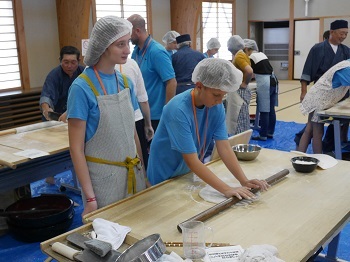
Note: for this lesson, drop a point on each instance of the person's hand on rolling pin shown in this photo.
(239, 192)
(255, 183)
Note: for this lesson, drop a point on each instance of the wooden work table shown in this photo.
(16, 171)
(337, 114)
(298, 215)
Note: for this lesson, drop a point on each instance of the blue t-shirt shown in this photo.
(176, 135)
(82, 102)
(341, 78)
(156, 70)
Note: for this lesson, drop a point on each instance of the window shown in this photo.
(122, 8)
(9, 64)
(217, 22)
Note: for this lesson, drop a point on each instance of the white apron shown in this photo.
(322, 95)
(114, 169)
(233, 106)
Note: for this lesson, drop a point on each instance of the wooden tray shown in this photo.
(46, 245)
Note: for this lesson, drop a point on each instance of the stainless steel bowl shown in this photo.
(246, 152)
(148, 249)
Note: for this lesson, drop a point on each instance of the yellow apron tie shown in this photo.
(129, 163)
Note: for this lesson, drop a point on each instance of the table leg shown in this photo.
(333, 247)
(337, 140)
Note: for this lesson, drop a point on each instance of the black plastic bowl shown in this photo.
(27, 234)
(62, 205)
(307, 167)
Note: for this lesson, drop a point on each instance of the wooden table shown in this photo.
(17, 171)
(338, 113)
(298, 215)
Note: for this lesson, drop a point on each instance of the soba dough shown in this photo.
(211, 195)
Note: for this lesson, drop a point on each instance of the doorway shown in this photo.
(306, 35)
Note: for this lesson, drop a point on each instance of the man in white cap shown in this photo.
(101, 120)
(213, 46)
(189, 121)
(169, 39)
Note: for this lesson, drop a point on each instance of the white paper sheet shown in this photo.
(224, 254)
(31, 153)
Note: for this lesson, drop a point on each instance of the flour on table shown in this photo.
(211, 195)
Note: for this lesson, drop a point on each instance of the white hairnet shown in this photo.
(170, 37)
(106, 30)
(235, 43)
(213, 43)
(217, 73)
(251, 44)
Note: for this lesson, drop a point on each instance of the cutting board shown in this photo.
(340, 109)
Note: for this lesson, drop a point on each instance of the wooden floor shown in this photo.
(288, 102)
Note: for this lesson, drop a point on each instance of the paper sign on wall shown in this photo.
(84, 46)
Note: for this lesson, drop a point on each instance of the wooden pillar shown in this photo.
(184, 17)
(291, 41)
(73, 21)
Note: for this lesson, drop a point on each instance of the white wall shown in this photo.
(241, 18)
(269, 10)
(42, 41)
(161, 22)
(319, 8)
(41, 31)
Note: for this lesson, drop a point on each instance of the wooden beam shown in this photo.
(21, 43)
(184, 17)
(73, 21)
(291, 41)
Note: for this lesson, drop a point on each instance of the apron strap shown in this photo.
(129, 163)
(93, 88)
(89, 82)
(125, 79)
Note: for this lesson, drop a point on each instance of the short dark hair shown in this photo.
(69, 50)
(326, 34)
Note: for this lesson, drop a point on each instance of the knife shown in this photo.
(88, 255)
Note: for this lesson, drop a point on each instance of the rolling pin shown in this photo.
(65, 251)
(32, 127)
(206, 214)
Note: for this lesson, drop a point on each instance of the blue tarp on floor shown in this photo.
(13, 250)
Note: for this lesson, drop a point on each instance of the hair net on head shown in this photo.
(170, 37)
(106, 30)
(217, 73)
(213, 43)
(251, 44)
(235, 43)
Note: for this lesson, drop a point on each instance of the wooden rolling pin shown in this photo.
(231, 201)
(32, 127)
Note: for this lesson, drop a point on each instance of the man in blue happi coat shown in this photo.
(321, 57)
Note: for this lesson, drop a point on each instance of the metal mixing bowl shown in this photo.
(304, 164)
(148, 249)
(246, 151)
